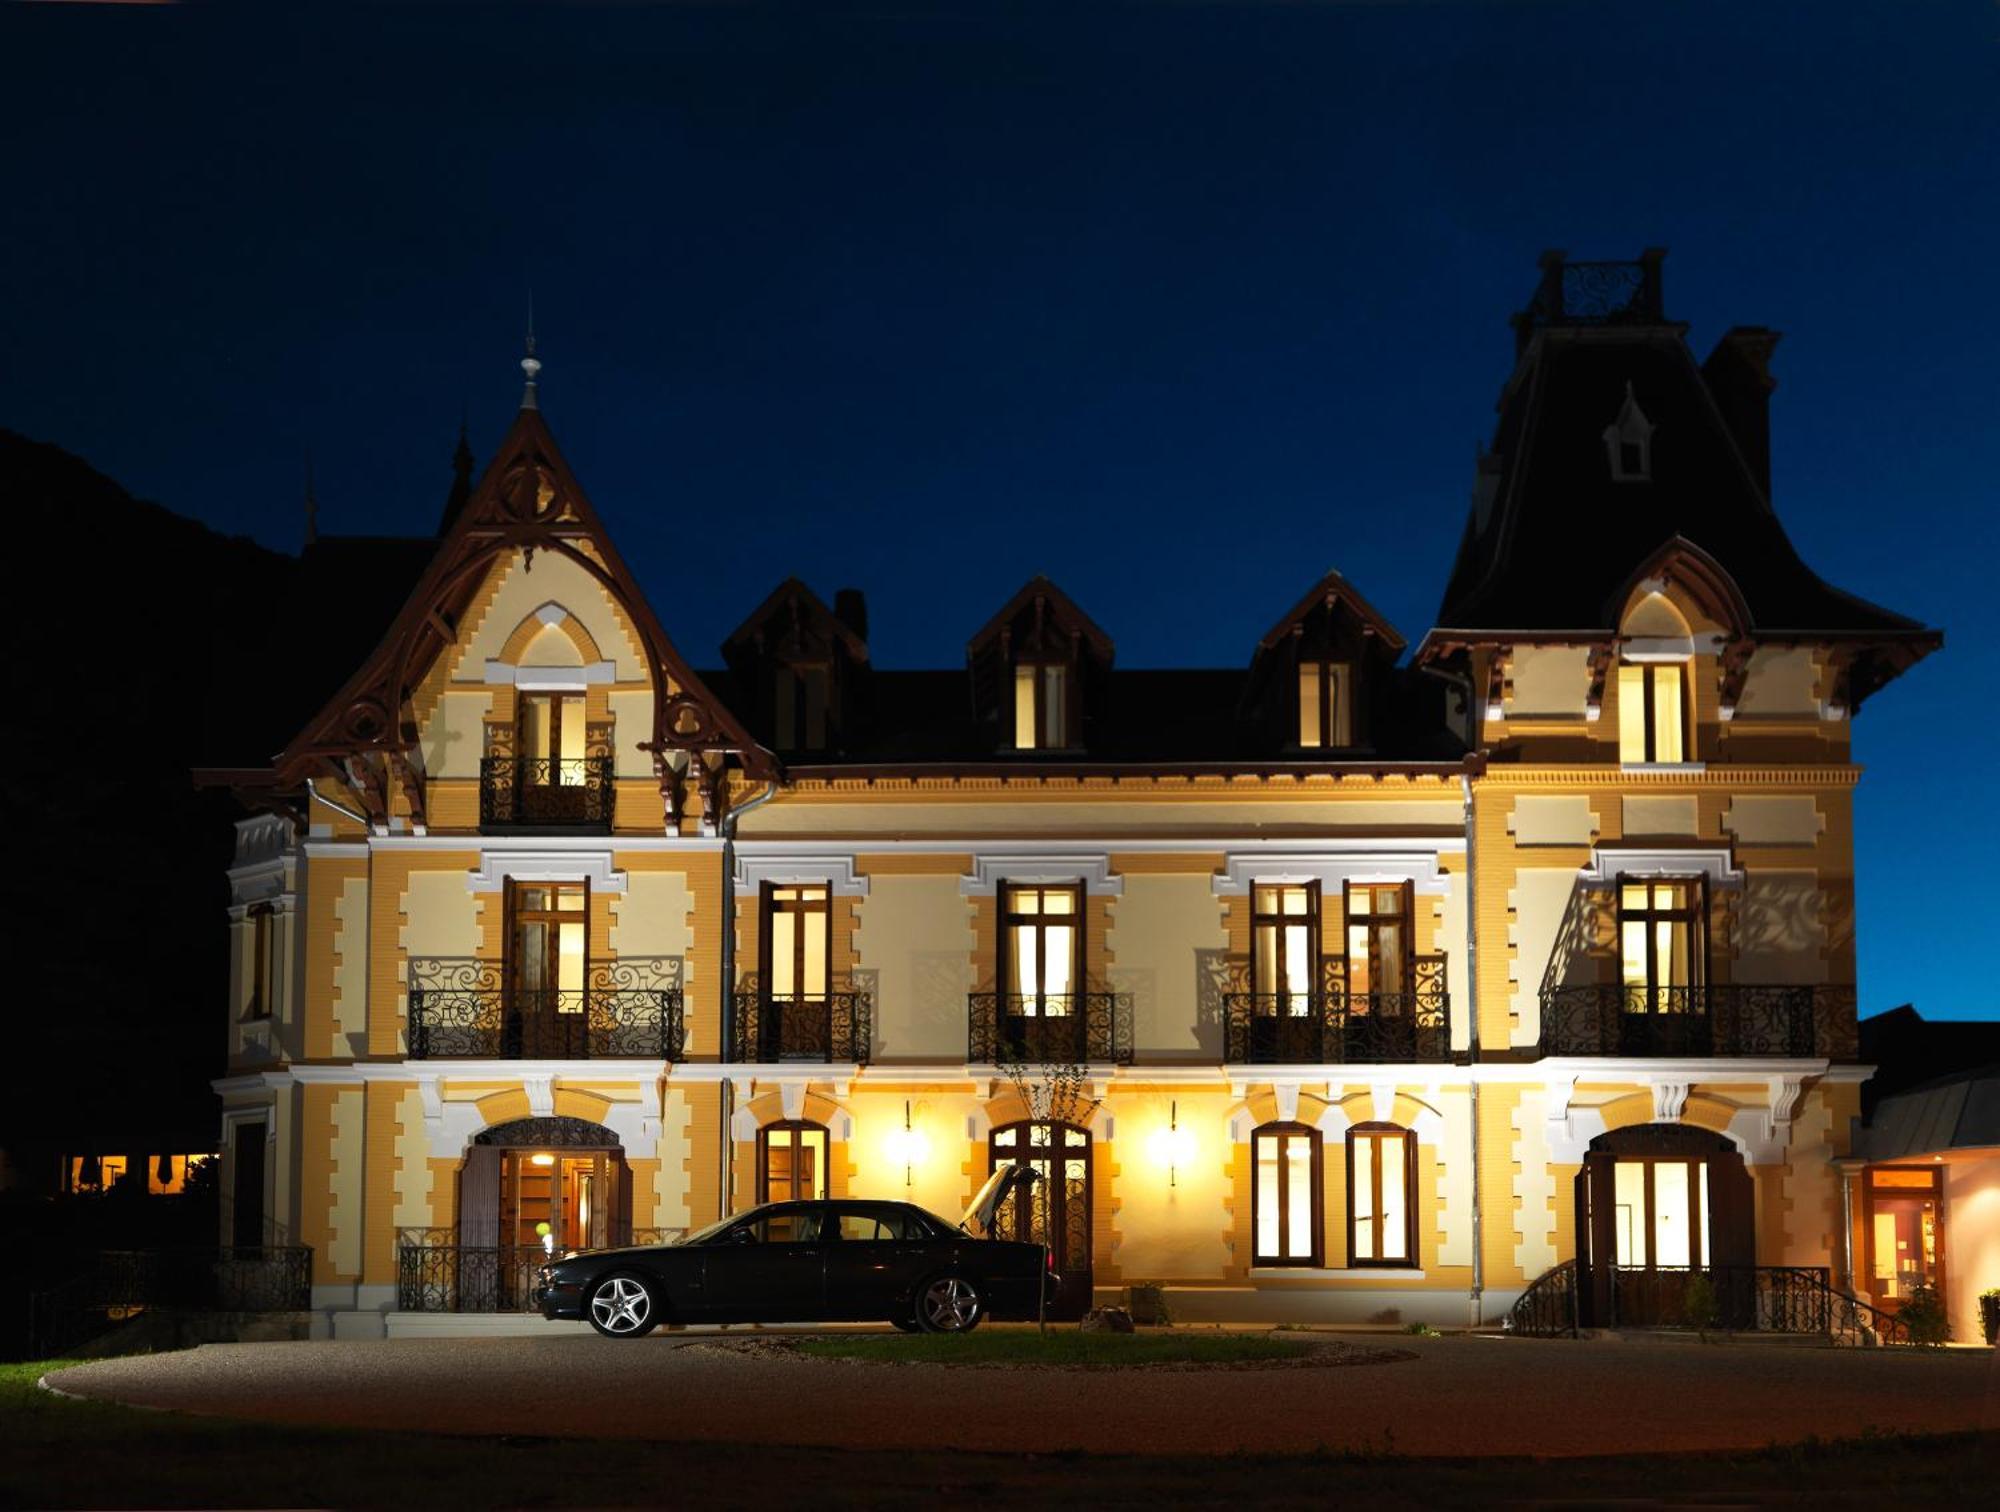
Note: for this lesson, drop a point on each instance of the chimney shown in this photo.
(850, 607)
(1738, 373)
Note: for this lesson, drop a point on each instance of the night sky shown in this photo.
(1180, 305)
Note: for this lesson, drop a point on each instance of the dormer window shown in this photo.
(1326, 715)
(1628, 442)
(1652, 713)
(1041, 706)
(799, 705)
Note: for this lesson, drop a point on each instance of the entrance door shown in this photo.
(1904, 1209)
(1657, 1206)
(1057, 1212)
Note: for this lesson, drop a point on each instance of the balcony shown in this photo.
(561, 795)
(1050, 1028)
(1732, 1019)
(1335, 1027)
(629, 1009)
(833, 1028)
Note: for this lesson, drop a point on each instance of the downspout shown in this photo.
(1474, 1302)
(727, 1102)
(337, 806)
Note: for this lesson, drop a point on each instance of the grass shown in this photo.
(1067, 1346)
(59, 1453)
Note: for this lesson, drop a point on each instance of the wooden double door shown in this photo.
(1056, 1209)
(1657, 1206)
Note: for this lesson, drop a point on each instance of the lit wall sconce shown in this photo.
(1173, 1147)
(909, 1146)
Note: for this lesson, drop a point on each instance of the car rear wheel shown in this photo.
(622, 1307)
(950, 1304)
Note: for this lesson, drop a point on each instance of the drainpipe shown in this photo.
(1474, 1301)
(338, 807)
(727, 1102)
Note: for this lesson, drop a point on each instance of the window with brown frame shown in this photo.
(1381, 1195)
(551, 740)
(798, 941)
(1042, 694)
(263, 976)
(1380, 949)
(1660, 1214)
(1903, 1220)
(791, 1162)
(1285, 1202)
(1284, 939)
(799, 707)
(1652, 713)
(1041, 957)
(1326, 717)
(1662, 942)
(548, 946)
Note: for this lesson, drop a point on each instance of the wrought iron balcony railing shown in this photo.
(545, 792)
(629, 1008)
(833, 1027)
(436, 1273)
(1049, 1028)
(1334, 1027)
(1610, 1018)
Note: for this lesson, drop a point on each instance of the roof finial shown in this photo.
(312, 504)
(529, 364)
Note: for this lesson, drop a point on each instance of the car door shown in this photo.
(878, 1254)
(771, 1267)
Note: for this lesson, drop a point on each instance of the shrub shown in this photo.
(1699, 1308)
(1923, 1317)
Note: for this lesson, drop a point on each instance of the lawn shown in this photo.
(1066, 1346)
(60, 1453)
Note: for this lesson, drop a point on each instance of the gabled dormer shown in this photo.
(799, 667)
(1039, 671)
(1317, 676)
(1628, 442)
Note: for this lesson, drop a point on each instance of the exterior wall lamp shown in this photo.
(909, 1146)
(1172, 1147)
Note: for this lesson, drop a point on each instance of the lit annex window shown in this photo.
(1628, 442)
(1381, 1160)
(1287, 1163)
(1041, 706)
(1284, 961)
(549, 937)
(1652, 713)
(1325, 714)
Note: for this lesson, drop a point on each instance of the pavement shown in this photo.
(1457, 1396)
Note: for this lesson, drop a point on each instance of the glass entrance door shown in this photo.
(1057, 1212)
(1660, 1237)
(1905, 1211)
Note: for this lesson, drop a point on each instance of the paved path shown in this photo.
(1459, 1396)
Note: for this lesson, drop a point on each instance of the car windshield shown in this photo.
(702, 1235)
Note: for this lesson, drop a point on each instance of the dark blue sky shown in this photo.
(1180, 305)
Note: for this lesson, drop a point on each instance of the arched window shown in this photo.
(1381, 1195)
(1285, 1207)
(791, 1162)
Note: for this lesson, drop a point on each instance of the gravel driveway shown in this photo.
(1458, 1396)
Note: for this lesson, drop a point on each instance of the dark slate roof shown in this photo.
(1563, 538)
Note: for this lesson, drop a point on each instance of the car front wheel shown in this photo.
(950, 1305)
(622, 1307)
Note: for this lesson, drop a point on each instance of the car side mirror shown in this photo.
(742, 1236)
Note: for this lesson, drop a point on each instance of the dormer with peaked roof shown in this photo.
(1040, 671)
(1320, 674)
(800, 668)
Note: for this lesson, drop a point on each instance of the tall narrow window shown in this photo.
(1041, 706)
(1904, 1204)
(1284, 959)
(1660, 1214)
(1661, 944)
(547, 963)
(1378, 946)
(1326, 717)
(263, 975)
(1043, 932)
(799, 706)
(1286, 1199)
(1652, 713)
(798, 941)
(791, 1164)
(1381, 1210)
(551, 740)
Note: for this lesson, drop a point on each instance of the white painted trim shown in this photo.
(836, 872)
(480, 844)
(551, 679)
(1358, 1273)
(1609, 863)
(1078, 845)
(1331, 864)
(1044, 865)
(592, 866)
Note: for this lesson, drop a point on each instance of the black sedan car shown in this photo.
(795, 1262)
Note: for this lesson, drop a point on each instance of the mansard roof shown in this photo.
(1552, 537)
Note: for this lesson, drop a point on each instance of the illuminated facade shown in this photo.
(1341, 984)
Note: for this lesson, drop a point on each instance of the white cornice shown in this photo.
(1609, 863)
(831, 868)
(497, 867)
(1045, 864)
(1332, 864)
(551, 679)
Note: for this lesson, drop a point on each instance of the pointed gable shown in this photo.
(798, 667)
(1319, 672)
(528, 503)
(1040, 670)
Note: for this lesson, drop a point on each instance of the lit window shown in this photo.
(1286, 1200)
(1652, 713)
(1284, 960)
(1660, 1214)
(791, 1165)
(798, 939)
(1041, 706)
(1044, 948)
(1381, 1218)
(548, 936)
(551, 734)
(1325, 712)
(1660, 944)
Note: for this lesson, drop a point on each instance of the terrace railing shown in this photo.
(1049, 1028)
(629, 1009)
(545, 792)
(1730, 1019)
(1336, 1027)
(829, 1028)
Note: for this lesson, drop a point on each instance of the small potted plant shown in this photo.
(1989, 1313)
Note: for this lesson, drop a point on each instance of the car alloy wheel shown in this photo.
(950, 1305)
(622, 1308)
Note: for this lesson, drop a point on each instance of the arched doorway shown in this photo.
(536, 1187)
(1058, 1211)
(1658, 1205)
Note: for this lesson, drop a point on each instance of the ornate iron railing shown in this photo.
(1050, 1028)
(1609, 1018)
(1337, 1027)
(435, 1273)
(1547, 1309)
(1857, 1322)
(629, 1008)
(105, 1288)
(1597, 293)
(833, 1027)
(545, 792)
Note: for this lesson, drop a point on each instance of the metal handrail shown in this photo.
(1048, 1028)
(1726, 1019)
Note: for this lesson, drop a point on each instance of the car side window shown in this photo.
(798, 1226)
(864, 1227)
